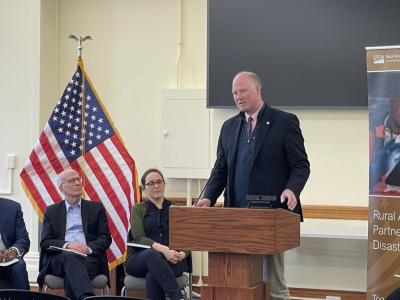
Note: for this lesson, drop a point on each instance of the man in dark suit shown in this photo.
(14, 243)
(260, 152)
(79, 225)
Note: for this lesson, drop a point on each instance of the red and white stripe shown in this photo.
(108, 173)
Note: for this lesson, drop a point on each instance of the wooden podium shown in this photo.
(236, 239)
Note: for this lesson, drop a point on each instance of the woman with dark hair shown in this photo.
(149, 226)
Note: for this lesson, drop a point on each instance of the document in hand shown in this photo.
(54, 248)
(138, 247)
(9, 263)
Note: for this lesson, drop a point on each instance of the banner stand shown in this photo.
(383, 75)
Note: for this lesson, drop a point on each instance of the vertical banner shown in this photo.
(383, 74)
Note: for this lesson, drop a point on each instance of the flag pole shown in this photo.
(79, 40)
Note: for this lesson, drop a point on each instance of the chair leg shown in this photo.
(190, 286)
(105, 291)
(187, 290)
(123, 291)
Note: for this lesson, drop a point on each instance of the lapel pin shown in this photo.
(267, 123)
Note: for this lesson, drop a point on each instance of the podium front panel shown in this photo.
(233, 230)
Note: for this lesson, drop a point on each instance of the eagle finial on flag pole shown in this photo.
(81, 135)
(80, 40)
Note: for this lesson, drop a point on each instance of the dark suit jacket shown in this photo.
(395, 295)
(95, 227)
(279, 161)
(12, 226)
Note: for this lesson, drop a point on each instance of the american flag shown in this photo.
(95, 150)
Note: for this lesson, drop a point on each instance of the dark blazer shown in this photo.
(395, 295)
(279, 161)
(12, 226)
(95, 227)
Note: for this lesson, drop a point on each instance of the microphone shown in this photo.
(219, 157)
(217, 161)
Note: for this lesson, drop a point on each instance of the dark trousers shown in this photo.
(77, 272)
(16, 275)
(395, 295)
(160, 274)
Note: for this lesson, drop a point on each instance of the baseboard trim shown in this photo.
(335, 212)
(320, 293)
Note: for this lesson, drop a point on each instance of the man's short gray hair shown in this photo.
(252, 76)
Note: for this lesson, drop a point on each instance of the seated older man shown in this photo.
(14, 243)
(79, 225)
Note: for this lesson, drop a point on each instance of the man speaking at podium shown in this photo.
(260, 152)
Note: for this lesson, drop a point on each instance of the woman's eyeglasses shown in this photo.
(159, 182)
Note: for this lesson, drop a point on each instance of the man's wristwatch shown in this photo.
(17, 252)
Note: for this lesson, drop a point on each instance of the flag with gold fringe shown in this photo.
(81, 135)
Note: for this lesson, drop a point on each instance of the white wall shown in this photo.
(133, 57)
(19, 100)
(49, 57)
(332, 264)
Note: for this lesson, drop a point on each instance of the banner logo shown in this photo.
(378, 59)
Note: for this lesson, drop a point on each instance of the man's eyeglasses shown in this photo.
(72, 180)
(159, 182)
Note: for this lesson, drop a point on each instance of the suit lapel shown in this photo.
(235, 139)
(264, 124)
(63, 218)
(85, 216)
(3, 220)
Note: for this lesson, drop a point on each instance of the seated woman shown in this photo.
(149, 226)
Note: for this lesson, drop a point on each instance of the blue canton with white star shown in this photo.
(66, 119)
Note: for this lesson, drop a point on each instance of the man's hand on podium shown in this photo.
(290, 197)
(203, 202)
